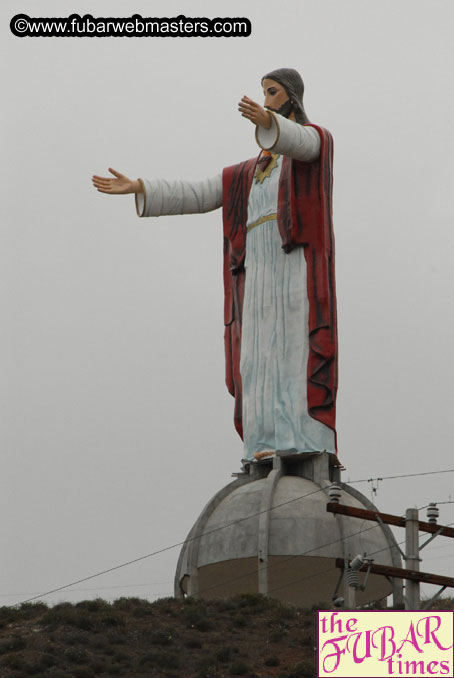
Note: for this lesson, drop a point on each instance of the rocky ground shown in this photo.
(244, 636)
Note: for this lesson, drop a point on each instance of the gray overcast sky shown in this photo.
(117, 426)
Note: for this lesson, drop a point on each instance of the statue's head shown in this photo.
(284, 90)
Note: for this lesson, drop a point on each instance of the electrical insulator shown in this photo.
(353, 571)
(353, 578)
(357, 563)
(432, 513)
(335, 493)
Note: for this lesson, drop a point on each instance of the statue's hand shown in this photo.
(254, 112)
(120, 185)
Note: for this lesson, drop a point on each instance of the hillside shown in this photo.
(244, 636)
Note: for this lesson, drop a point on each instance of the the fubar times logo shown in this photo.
(365, 644)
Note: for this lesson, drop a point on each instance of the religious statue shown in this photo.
(280, 300)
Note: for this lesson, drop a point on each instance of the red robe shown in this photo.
(304, 216)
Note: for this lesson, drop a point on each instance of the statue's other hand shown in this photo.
(120, 185)
(254, 112)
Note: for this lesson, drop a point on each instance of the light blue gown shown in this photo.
(275, 337)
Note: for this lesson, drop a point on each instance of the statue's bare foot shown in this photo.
(264, 455)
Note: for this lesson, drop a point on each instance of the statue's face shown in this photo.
(275, 94)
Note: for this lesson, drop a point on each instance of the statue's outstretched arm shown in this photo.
(121, 185)
(279, 134)
(286, 137)
(160, 197)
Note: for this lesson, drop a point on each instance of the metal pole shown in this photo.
(351, 579)
(412, 598)
(351, 598)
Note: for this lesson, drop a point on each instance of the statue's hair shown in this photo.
(293, 84)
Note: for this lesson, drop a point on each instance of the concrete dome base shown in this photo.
(269, 532)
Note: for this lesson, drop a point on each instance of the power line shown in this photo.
(98, 588)
(404, 475)
(254, 571)
(437, 548)
(438, 503)
(451, 555)
(166, 548)
(221, 527)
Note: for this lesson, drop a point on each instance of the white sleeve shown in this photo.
(287, 137)
(162, 197)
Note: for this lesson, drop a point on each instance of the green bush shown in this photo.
(211, 671)
(192, 613)
(161, 637)
(161, 660)
(190, 600)
(97, 667)
(99, 641)
(275, 636)
(282, 618)
(193, 643)
(13, 661)
(115, 637)
(303, 669)
(121, 656)
(8, 615)
(166, 605)
(75, 655)
(224, 655)
(204, 624)
(307, 641)
(32, 610)
(73, 638)
(82, 672)
(97, 605)
(226, 605)
(256, 601)
(321, 606)
(111, 619)
(441, 604)
(66, 614)
(133, 604)
(143, 611)
(12, 644)
(46, 660)
(240, 621)
(240, 668)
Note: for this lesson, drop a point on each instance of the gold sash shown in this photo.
(269, 217)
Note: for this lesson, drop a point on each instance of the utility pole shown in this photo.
(413, 577)
(412, 559)
(350, 589)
